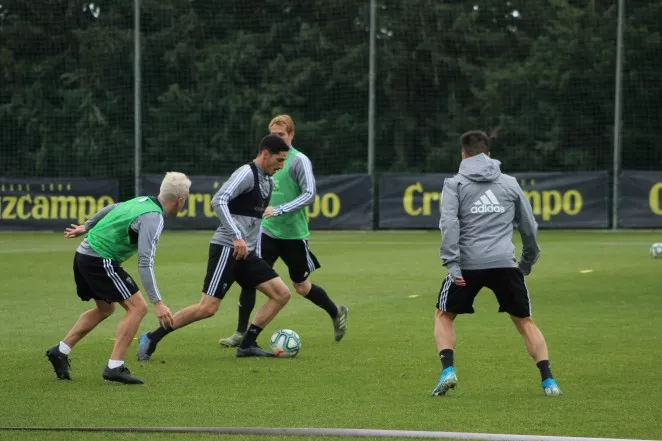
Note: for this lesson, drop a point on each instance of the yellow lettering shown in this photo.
(20, 207)
(63, 202)
(572, 202)
(313, 210)
(8, 209)
(427, 198)
(654, 199)
(330, 205)
(208, 209)
(551, 204)
(535, 201)
(190, 211)
(104, 201)
(198, 197)
(87, 206)
(40, 209)
(408, 199)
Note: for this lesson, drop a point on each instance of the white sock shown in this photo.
(112, 364)
(66, 350)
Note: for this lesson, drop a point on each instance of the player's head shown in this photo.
(174, 192)
(283, 126)
(474, 143)
(272, 154)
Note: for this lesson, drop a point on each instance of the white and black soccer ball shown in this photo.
(285, 343)
(656, 250)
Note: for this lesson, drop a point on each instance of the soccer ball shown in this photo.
(656, 250)
(285, 343)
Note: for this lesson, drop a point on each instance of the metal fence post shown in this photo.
(618, 110)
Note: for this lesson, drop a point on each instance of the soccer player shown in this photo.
(480, 206)
(285, 235)
(240, 204)
(113, 235)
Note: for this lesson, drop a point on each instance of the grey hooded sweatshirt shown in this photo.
(479, 209)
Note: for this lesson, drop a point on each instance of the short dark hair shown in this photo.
(274, 144)
(475, 142)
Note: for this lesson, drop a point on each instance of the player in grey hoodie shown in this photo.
(479, 208)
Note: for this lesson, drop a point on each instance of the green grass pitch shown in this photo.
(603, 329)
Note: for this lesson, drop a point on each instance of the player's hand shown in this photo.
(268, 212)
(74, 231)
(240, 249)
(525, 268)
(459, 281)
(164, 315)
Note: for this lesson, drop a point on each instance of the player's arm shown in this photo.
(149, 227)
(77, 230)
(528, 229)
(449, 224)
(240, 182)
(301, 170)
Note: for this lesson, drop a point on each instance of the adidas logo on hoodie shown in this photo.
(487, 203)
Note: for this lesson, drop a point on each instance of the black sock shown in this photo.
(156, 336)
(250, 337)
(446, 356)
(545, 369)
(246, 305)
(318, 296)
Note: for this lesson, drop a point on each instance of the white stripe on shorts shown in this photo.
(218, 272)
(443, 296)
(117, 280)
(528, 298)
(311, 264)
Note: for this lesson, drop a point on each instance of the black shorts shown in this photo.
(507, 284)
(294, 252)
(102, 279)
(223, 270)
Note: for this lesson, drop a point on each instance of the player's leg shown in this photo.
(255, 271)
(87, 322)
(513, 296)
(205, 308)
(89, 275)
(58, 355)
(219, 278)
(301, 263)
(136, 309)
(537, 348)
(444, 334)
(451, 301)
(268, 250)
(279, 295)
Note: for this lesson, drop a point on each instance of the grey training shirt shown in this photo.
(234, 226)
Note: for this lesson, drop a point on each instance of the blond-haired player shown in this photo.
(114, 234)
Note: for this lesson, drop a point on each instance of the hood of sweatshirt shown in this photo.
(480, 168)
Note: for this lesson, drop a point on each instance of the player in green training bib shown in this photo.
(114, 234)
(285, 235)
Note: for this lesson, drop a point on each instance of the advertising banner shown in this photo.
(52, 203)
(343, 202)
(640, 199)
(558, 200)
